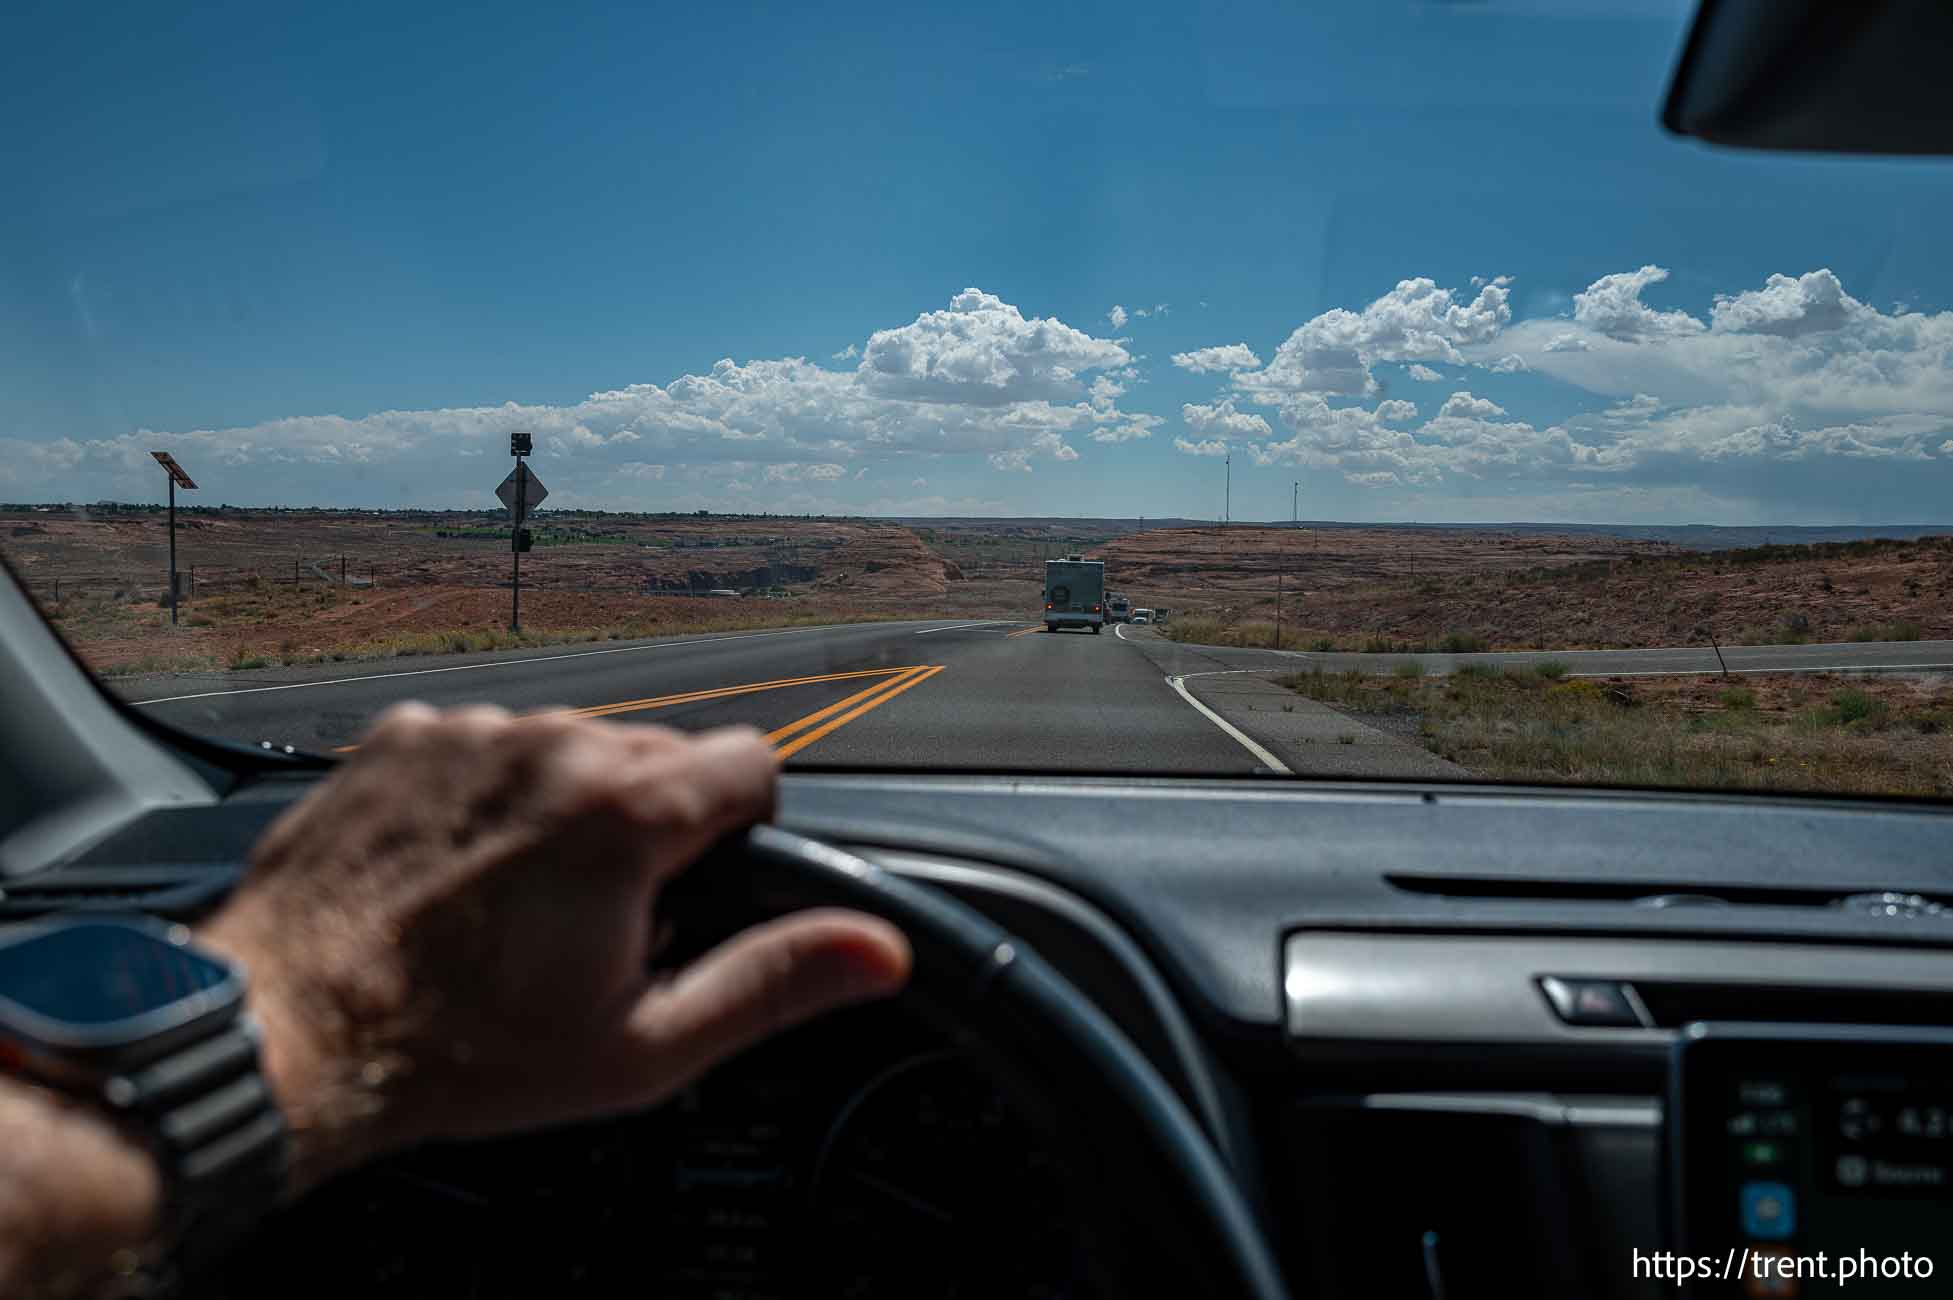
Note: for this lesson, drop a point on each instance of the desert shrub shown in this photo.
(1853, 705)
(1409, 669)
(1737, 697)
(1551, 669)
(1458, 643)
(1477, 671)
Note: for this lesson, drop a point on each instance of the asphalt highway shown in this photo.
(942, 694)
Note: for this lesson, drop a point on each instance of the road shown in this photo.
(943, 694)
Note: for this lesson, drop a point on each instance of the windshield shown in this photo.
(865, 375)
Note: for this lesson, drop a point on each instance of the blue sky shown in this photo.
(331, 256)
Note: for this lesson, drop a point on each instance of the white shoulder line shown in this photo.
(1266, 759)
(500, 663)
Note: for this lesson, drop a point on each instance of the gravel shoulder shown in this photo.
(1311, 738)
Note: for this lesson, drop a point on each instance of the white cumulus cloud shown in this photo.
(979, 378)
(1208, 447)
(1423, 374)
(1612, 306)
(1227, 356)
(982, 350)
(1416, 321)
(1787, 306)
(1223, 420)
(1466, 404)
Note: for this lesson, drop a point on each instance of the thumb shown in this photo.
(759, 982)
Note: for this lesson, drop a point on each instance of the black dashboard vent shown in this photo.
(1665, 894)
(175, 891)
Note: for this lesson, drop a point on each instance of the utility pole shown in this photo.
(177, 479)
(1294, 512)
(1227, 499)
(1278, 609)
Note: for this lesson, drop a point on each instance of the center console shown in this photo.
(1809, 1161)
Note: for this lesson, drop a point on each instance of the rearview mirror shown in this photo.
(1867, 76)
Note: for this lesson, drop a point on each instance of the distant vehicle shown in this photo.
(1159, 617)
(1142, 615)
(1074, 594)
(1117, 607)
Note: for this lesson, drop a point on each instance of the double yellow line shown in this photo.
(789, 740)
(824, 721)
(1035, 627)
(717, 693)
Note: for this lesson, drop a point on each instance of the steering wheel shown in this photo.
(1034, 1030)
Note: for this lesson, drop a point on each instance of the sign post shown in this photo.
(520, 492)
(177, 479)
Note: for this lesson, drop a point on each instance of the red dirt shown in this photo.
(1537, 590)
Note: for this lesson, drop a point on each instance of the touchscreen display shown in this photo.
(1814, 1167)
(92, 975)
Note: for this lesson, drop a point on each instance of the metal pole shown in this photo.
(1294, 511)
(1227, 500)
(1278, 609)
(342, 570)
(521, 504)
(172, 550)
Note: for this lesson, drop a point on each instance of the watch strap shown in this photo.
(218, 1135)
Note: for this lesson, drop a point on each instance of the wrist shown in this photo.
(81, 1201)
(335, 1101)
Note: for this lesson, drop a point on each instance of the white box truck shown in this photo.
(1074, 594)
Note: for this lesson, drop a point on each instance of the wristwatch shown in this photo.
(130, 1014)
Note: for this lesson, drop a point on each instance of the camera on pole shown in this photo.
(519, 444)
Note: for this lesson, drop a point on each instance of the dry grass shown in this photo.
(277, 627)
(409, 645)
(1203, 629)
(1811, 733)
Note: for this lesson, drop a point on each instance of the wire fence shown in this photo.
(206, 581)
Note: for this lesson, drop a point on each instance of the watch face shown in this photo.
(96, 973)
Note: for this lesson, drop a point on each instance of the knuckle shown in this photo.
(471, 721)
(406, 721)
(667, 799)
(548, 732)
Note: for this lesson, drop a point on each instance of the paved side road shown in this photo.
(1842, 656)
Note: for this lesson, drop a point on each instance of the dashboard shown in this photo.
(1435, 1032)
(864, 1160)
